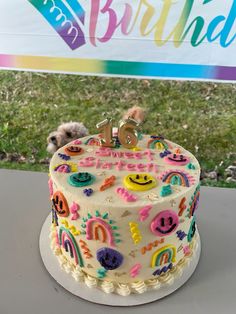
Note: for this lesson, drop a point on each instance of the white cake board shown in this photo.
(97, 296)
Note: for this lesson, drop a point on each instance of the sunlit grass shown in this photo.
(199, 116)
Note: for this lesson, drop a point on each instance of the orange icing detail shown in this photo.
(177, 151)
(150, 246)
(98, 232)
(107, 183)
(182, 206)
(164, 259)
(86, 250)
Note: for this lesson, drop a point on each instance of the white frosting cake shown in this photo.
(124, 219)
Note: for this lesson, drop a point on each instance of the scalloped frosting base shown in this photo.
(122, 289)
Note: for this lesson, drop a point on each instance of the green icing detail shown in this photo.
(81, 179)
(101, 272)
(104, 216)
(90, 216)
(140, 136)
(97, 214)
(175, 180)
(191, 166)
(114, 227)
(166, 190)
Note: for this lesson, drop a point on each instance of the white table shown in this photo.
(26, 287)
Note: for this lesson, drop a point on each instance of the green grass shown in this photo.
(199, 116)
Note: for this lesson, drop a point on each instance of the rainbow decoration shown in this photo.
(92, 141)
(66, 168)
(158, 142)
(176, 177)
(119, 68)
(68, 242)
(100, 228)
(164, 255)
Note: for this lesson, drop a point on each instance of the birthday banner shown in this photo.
(162, 39)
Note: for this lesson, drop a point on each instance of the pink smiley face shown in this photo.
(165, 223)
(177, 159)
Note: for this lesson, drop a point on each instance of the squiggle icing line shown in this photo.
(144, 212)
(85, 249)
(150, 246)
(50, 186)
(73, 230)
(60, 16)
(135, 232)
(74, 211)
(108, 183)
(158, 272)
(128, 197)
(134, 271)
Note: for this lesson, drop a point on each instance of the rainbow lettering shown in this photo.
(68, 19)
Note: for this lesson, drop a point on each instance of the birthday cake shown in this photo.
(123, 220)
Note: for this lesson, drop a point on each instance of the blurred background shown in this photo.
(199, 116)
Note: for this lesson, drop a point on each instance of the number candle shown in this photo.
(106, 128)
(127, 133)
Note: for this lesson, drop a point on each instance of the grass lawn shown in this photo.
(199, 116)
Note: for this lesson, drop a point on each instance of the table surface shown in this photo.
(26, 287)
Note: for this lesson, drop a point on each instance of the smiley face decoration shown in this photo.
(60, 204)
(177, 159)
(109, 259)
(81, 179)
(139, 182)
(165, 223)
(74, 150)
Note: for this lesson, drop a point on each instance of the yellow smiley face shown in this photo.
(139, 182)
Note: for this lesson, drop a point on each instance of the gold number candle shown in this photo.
(105, 127)
(127, 133)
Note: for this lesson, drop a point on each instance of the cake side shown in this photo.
(130, 214)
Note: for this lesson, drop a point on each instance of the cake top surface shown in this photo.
(155, 171)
